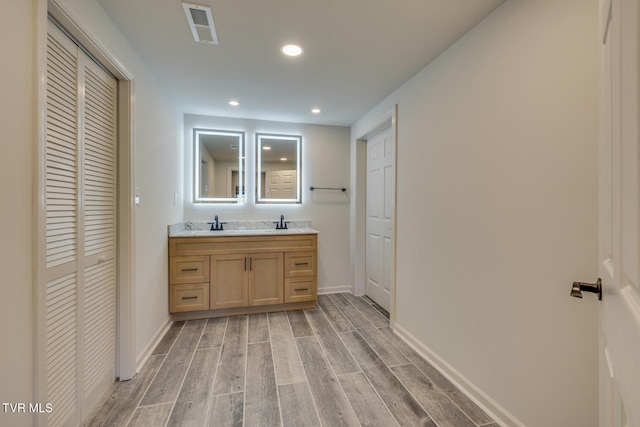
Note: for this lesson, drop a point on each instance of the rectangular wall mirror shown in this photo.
(218, 167)
(278, 172)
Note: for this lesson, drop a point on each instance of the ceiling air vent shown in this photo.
(201, 23)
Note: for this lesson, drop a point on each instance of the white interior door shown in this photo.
(281, 184)
(619, 249)
(80, 317)
(380, 210)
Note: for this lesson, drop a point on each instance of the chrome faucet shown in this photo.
(282, 225)
(216, 226)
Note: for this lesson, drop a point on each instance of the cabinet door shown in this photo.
(228, 281)
(266, 278)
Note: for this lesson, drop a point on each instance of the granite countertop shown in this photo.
(239, 228)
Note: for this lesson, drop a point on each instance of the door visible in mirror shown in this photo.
(218, 166)
(278, 168)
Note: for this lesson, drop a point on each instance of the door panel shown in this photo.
(619, 214)
(266, 278)
(380, 211)
(228, 281)
(281, 184)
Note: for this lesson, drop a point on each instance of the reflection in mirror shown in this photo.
(218, 166)
(278, 168)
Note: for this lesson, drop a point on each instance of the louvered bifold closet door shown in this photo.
(80, 230)
(99, 232)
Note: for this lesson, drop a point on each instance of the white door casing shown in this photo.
(380, 207)
(619, 214)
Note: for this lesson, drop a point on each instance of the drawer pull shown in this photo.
(189, 269)
(301, 289)
(301, 263)
(195, 297)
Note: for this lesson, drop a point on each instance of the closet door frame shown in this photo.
(126, 357)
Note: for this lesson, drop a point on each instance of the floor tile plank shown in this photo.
(169, 338)
(469, 407)
(213, 333)
(335, 316)
(168, 380)
(125, 398)
(258, 328)
(381, 345)
(231, 365)
(375, 305)
(297, 406)
(331, 402)
(340, 300)
(191, 406)
(338, 355)
(261, 394)
(155, 415)
(227, 410)
(373, 315)
(366, 403)
(285, 353)
(401, 404)
(350, 298)
(431, 398)
(299, 324)
(357, 318)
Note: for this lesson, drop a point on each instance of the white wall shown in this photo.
(497, 208)
(17, 114)
(325, 163)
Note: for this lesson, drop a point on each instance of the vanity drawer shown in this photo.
(188, 297)
(300, 264)
(188, 269)
(298, 289)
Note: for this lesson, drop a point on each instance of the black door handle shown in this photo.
(578, 287)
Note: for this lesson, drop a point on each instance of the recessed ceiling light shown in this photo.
(291, 50)
(234, 103)
(266, 147)
(316, 111)
(284, 159)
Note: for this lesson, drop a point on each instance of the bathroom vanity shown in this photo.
(240, 271)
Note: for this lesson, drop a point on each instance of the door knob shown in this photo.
(578, 287)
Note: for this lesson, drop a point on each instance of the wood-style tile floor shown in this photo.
(337, 365)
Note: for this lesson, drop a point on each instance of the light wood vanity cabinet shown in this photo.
(244, 274)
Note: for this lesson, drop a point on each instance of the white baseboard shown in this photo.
(473, 392)
(333, 289)
(148, 350)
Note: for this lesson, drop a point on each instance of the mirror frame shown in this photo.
(197, 160)
(298, 146)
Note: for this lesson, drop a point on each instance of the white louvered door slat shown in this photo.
(61, 218)
(99, 137)
(80, 198)
(61, 157)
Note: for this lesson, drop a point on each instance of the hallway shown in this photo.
(339, 364)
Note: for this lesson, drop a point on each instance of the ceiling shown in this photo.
(356, 52)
